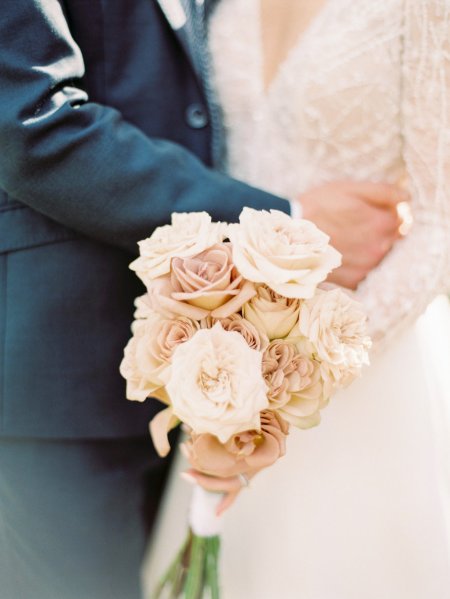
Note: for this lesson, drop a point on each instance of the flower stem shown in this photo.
(194, 573)
(212, 566)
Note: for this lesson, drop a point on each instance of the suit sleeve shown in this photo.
(79, 162)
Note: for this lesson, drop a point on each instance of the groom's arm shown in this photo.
(79, 162)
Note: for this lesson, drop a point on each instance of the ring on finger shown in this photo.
(243, 480)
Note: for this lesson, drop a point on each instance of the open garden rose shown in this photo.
(189, 234)
(290, 256)
(244, 452)
(216, 384)
(201, 285)
(272, 313)
(336, 326)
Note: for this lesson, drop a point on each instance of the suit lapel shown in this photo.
(174, 13)
(180, 15)
(176, 16)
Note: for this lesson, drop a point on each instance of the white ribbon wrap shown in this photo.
(202, 515)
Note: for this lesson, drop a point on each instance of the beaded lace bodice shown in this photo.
(364, 94)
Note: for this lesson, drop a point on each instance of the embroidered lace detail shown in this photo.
(365, 94)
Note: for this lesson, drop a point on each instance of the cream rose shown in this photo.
(147, 356)
(216, 384)
(201, 285)
(143, 308)
(272, 313)
(290, 256)
(189, 234)
(336, 326)
(141, 368)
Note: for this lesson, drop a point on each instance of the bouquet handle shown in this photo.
(194, 573)
(203, 519)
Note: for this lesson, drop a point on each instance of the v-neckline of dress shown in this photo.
(266, 88)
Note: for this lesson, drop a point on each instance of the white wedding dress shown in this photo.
(360, 506)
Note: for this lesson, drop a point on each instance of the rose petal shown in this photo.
(159, 427)
(235, 303)
(209, 456)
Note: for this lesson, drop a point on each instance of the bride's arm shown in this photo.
(418, 268)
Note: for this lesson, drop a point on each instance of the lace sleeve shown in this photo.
(418, 268)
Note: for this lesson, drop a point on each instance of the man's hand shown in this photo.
(361, 220)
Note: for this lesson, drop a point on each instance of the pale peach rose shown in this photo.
(173, 332)
(216, 384)
(143, 369)
(296, 389)
(309, 398)
(146, 362)
(271, 312)
(202, 285)
(254, 338)
(188, 235)
(279, 365)
(245, 452)
(336, 326)
(290, 256)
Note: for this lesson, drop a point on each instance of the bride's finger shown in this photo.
(226, 502)
(231, 484)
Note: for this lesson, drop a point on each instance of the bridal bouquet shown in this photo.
(237, 338)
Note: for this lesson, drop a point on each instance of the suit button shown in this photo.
(196, 116)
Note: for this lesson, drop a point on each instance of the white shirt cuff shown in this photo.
(296, 209)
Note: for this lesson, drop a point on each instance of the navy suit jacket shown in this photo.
(103, 133)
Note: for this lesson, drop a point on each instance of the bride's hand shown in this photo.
(227, 468)
(362, 221)
(230, 486)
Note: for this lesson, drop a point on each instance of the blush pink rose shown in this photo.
(296, 387)
(202, 285)
(255, 339)
(245, 452)
(285, 371)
